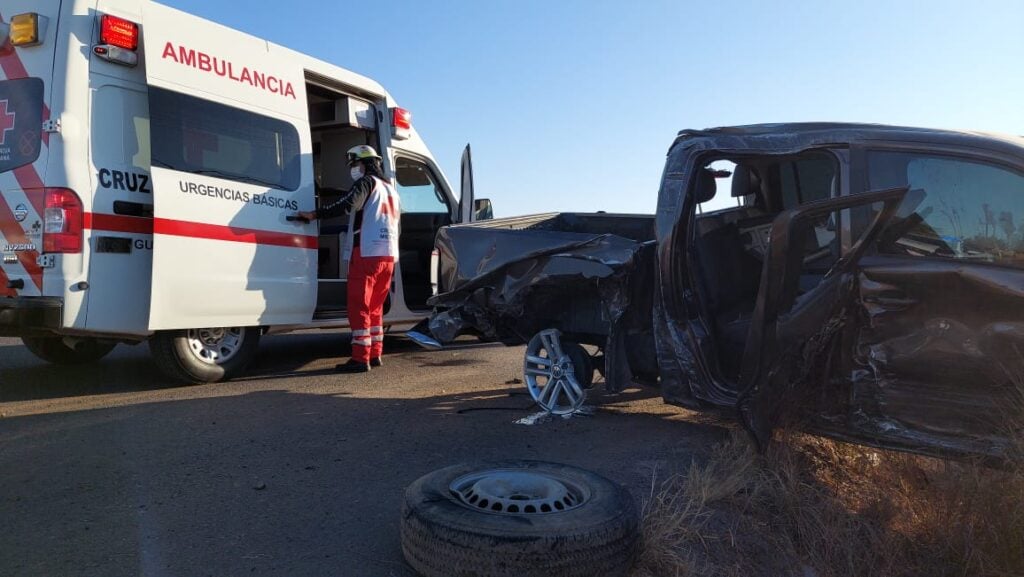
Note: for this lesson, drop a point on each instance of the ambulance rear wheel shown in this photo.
(55, 350)
(210, 355)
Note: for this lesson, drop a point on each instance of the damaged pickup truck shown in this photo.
(865, 282)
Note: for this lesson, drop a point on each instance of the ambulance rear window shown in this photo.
(21, 121)
(193, 135)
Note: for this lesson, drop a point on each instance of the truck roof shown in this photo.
(789, 133)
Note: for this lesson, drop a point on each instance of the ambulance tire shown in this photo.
(443, 535)
(55, 350)
(175, 359)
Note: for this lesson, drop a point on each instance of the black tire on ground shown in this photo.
(175, 358)
(443, 537)
(581, 362)
(55, 350)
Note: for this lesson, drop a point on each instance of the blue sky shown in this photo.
(572, 104)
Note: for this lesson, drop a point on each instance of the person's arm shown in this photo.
(352, 201)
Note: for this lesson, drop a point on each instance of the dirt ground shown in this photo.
(110, 470)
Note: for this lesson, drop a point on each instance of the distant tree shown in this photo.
(1006, 223)
(988, 219)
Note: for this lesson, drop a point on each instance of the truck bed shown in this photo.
(469, 251)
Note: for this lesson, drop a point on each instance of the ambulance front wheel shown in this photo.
(197, 356)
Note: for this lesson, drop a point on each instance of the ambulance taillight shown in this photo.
(119, 41)
(401, 123)
(63, 221)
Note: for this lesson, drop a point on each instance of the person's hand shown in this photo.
(306, 216)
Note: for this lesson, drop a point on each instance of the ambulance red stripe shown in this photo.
(232, 234)
(4, 291)
(118, 223)
(29, 181)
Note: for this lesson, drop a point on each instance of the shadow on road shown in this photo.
(24, 378)
(276, 482)
(130, 369)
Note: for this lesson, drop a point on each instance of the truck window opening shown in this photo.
(731, 243)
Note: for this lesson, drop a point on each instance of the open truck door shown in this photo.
(791, 333)
(231, 160)
(466, 200)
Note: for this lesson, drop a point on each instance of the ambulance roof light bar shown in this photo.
(119, 41)
(27, 29)
(401, 123)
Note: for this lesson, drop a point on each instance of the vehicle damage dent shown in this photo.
(907, 338)
(506, 285)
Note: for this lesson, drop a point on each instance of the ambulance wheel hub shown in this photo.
(214, 345)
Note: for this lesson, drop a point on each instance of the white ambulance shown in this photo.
(149, 163)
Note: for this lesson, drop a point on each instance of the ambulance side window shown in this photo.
(121, 130)
(418, 188)
(202, 137)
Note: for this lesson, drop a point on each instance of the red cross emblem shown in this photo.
(6, 121)
(387, 208)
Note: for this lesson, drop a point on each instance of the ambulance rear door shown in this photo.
(231, 151)
(26, 82)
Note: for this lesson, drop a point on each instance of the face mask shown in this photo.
(356, 172)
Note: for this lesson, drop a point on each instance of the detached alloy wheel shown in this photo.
(518, 518)
(557, 373)
(208, 355)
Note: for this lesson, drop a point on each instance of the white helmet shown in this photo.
(362, 152)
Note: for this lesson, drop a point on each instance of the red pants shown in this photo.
(369, 280)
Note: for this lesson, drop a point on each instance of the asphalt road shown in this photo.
(110, 470)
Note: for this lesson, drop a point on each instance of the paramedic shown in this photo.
(374, 212)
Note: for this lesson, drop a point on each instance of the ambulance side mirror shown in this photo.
(482, 209)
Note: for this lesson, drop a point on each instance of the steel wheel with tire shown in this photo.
(197, 356)
(55, 350)
(518, 518)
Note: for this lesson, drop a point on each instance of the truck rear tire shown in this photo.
(518, 519)
(200, 356)
(55, 350)
(582, 362)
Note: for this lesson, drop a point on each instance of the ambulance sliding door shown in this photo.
(232, 160)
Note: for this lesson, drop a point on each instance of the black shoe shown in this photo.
(352, 367)
(377, 362)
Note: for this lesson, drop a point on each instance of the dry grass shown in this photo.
(824, 508)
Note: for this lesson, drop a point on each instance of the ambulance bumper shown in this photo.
(29, 315)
